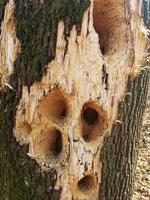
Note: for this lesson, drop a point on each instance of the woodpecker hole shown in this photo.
(90, 115)
(57, 145)
(54, 105)
(93, 120)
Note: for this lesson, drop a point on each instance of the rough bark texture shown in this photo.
(56, 65)
(142, 176)
(119, 153)
(146, 12)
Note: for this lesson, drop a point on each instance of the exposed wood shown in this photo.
(9, 45)
(66, 99)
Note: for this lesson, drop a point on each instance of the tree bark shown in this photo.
(73, 87)
(119, 152)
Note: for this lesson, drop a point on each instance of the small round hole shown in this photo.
(93, 121)
(87, 183)
(54, 106)
(90, 115)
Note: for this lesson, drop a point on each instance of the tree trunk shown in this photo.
(73, 86)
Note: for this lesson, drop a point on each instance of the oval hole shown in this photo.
(93, 121)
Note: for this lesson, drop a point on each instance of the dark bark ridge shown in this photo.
(120, 149)
(36, 26)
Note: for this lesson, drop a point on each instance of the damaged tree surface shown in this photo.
(71, 113)
(23, 178)
(36, 26)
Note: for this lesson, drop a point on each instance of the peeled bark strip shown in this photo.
(68, 81)
(9, 45)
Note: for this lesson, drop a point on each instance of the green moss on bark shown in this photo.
(36, 26)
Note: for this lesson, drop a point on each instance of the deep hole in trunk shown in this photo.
(93, 121)
(57, 146)
(90, 116)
